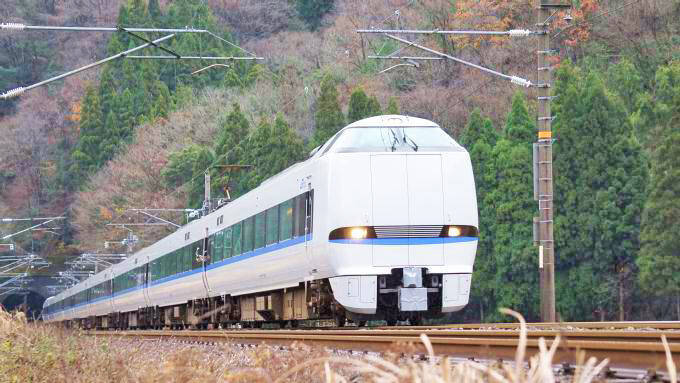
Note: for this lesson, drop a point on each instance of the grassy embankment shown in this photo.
(33, 352)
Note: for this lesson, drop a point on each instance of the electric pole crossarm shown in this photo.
(160, 219)
(511, 33)
(164, 49)
(18, 91)
(6, 220)
(25, 230)
(514, 79)
(23, 27)
(404, 58)
(11, 280)
(225, 58)
(10, 290)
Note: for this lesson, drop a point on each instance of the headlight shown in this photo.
(459, 231)
(352, 232)
(358, 233)
(455, 231)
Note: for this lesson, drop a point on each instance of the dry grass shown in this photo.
(40, 353)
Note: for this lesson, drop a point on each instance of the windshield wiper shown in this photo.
(412, 144)
(395, 140)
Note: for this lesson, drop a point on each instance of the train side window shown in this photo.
(286, 220)
(248, 234)
(272, 225)
(185, 259)
(237, 238)
(299, 225)
(260, 225)
(163, 266)
(211, 247)
(310, 210)
(226, 240)
(218, 246)
(176, 261)
(154, 269)
(167, 259)
(196, 250)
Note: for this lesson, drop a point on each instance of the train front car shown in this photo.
(402, 219)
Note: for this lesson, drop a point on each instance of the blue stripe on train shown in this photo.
(250, 254)
(403, 241)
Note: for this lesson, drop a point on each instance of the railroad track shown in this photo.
(629, 349)
(667, 325)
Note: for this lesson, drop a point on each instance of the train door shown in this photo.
(145, 284)
(113, 291)
(109, 290)
(205, 259)
(309, 225)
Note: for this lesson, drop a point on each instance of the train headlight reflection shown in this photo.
(358, 233)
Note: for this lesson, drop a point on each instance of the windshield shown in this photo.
(393, 139)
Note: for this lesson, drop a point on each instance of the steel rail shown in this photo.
(659, 325)
(638, 350)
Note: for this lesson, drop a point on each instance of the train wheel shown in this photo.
(416, 321)
(391, 322)
(361, 323)
(340, 320)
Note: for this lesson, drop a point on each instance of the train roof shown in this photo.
(392, 120)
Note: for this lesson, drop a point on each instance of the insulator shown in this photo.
(519, 32)
(520, 81)
(12, 93)
(14, 26)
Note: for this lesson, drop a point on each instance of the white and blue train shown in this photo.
(379, 223)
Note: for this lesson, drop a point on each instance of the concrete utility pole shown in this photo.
(543, 173)
(206, 186)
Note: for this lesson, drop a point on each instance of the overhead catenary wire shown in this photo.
(514, 79)
(511, 33)
(218, 58)
(23, 27)
(234, 45)
(19, 91)
(153, 43)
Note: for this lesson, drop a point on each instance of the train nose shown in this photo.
(407, 191)
(412, 296)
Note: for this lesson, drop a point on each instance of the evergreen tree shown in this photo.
(599, 191)
(235, 127)
(312, 11)
(361, 106)
(511, 198)
(188, 165)
(329, 117)
(659, 260)
(373, 107)
(271, 149)
(228, 150)
(155, 11)
(392, 107)
(357, 106)
(84, 155)
(479, 137)
(132, 92)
